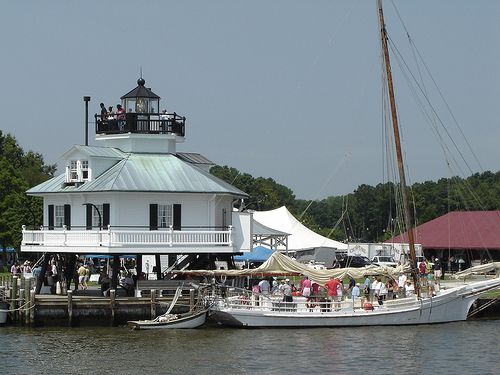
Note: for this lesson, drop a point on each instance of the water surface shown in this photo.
(455, 348)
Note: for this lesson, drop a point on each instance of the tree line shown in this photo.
(369, 213)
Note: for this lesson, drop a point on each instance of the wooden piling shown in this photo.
(32, 307)
(153, 303)
(20, 311)
(112, 301)
(13, 297)
(70, 308)
(27, 301)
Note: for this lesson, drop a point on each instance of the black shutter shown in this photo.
(51, 217)
(67, 216)
(153, 217)
(105, 215)
(89, 212)
(177, 217)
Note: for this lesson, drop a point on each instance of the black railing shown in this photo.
(142, 123)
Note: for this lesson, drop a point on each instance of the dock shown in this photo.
(89, 307)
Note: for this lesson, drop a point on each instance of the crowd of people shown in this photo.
(374, 289)
(110, 116)
(63, 274)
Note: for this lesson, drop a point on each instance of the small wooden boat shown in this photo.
(170, 321)
(191, 319)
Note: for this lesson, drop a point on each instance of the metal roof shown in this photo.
(140, 91)
(458, 230)
(146, 173)
(194, 158)
(100, 152)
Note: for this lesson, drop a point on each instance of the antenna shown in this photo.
(141, 72)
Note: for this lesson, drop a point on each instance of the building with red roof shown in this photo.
(469, 235)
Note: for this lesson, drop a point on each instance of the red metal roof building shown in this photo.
(473, 234)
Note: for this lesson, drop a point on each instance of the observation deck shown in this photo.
(142, 123)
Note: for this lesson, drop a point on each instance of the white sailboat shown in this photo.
(447, 305)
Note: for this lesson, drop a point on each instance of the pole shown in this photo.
(86, 99)
(399, 153)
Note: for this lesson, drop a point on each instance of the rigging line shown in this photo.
(414, 48)
(411, 44)
(327, 182)
(395, 49)
(434, 129)
(449, 109)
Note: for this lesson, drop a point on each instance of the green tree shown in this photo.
(19, 171)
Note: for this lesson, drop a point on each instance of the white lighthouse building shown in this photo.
(135, 194)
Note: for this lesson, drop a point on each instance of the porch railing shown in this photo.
(143, 123)
(119, 237)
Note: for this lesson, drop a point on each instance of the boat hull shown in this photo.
(191, 321)
(451, 305)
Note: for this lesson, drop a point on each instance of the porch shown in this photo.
(120, 240)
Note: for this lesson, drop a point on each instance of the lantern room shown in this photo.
(141, 99)
(138, 124)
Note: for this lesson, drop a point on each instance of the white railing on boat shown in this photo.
(299, 304)
(121, 237)
(241, 299)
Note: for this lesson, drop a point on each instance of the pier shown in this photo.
(89, 307)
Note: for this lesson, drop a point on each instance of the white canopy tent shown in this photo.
(300, 236)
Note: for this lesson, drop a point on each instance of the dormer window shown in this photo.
(77, 171)
(73, 174)
(85, 170)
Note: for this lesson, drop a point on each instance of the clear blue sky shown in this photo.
(284, 89)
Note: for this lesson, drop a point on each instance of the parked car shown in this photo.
(384, 260)
(352, 261)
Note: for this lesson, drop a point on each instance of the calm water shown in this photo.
(456, 348)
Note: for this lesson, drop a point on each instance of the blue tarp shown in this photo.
(259, 254)
(7, 250)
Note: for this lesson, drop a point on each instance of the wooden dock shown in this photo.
(89, 307)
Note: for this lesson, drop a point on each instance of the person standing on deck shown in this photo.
(355, 294)
(366, 288)
(437, 273)
(401, 285)
(305, 286)
(264, 287)
(421, 271)
(120, 116)
(104, 112)
(287, 291)
(331, 287)
(376, 288)
(255, 294)
(382, 295)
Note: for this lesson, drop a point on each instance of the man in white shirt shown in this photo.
(401, 285)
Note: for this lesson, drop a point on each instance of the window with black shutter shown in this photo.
(88, 218)
(51, 216)
(153, 216)
(105, 215)
(67, 216)
(177, 217)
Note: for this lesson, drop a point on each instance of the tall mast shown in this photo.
(399, 154)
